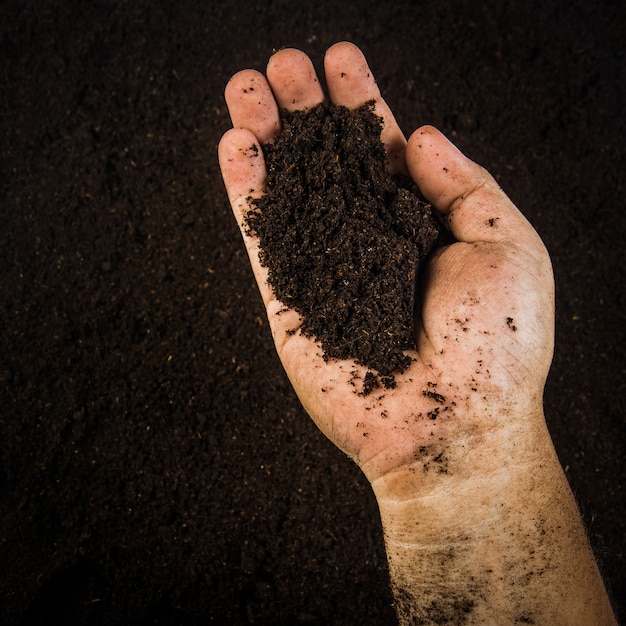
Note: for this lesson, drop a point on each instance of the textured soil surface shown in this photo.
(343, 240)
(155, 465)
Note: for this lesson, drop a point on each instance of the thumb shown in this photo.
(462, 191)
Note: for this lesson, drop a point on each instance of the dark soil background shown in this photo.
(156, 467)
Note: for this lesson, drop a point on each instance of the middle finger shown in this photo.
(294, 81)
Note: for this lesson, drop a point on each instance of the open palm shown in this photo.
(484, 335)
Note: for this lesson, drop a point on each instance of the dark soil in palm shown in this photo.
(343, 239)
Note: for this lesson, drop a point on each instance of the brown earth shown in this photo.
(343, 240)
(156, 467)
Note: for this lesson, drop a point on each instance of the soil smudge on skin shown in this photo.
(343, 240)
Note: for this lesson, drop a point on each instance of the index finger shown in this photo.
(351, 84)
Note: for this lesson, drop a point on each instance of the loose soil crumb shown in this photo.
(343, 240)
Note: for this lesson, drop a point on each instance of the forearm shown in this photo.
(508, 547)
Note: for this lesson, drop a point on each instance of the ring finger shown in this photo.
(294, 81)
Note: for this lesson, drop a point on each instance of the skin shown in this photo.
(480, 524)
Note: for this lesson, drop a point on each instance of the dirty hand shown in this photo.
(484, 338)
(480, 525)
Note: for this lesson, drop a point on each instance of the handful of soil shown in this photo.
(342, 239)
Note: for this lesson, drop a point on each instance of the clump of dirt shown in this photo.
(343, 240)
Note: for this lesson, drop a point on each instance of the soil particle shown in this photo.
(437, 397)
(343, 240)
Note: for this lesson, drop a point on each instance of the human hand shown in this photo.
(480, 525)
(485, 334)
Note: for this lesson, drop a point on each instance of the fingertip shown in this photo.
(282, 61)
(293, 80)
(425, 133)
(229, 146)
(242, 85)
(345, 49)
(242, 165)
(430, 142)
(348, 76)
(442, 172)
(234, 145)
(251, 104)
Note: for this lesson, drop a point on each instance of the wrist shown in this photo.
(467, 479)
(495, 538)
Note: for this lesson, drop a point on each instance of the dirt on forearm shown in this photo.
(343, 240)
